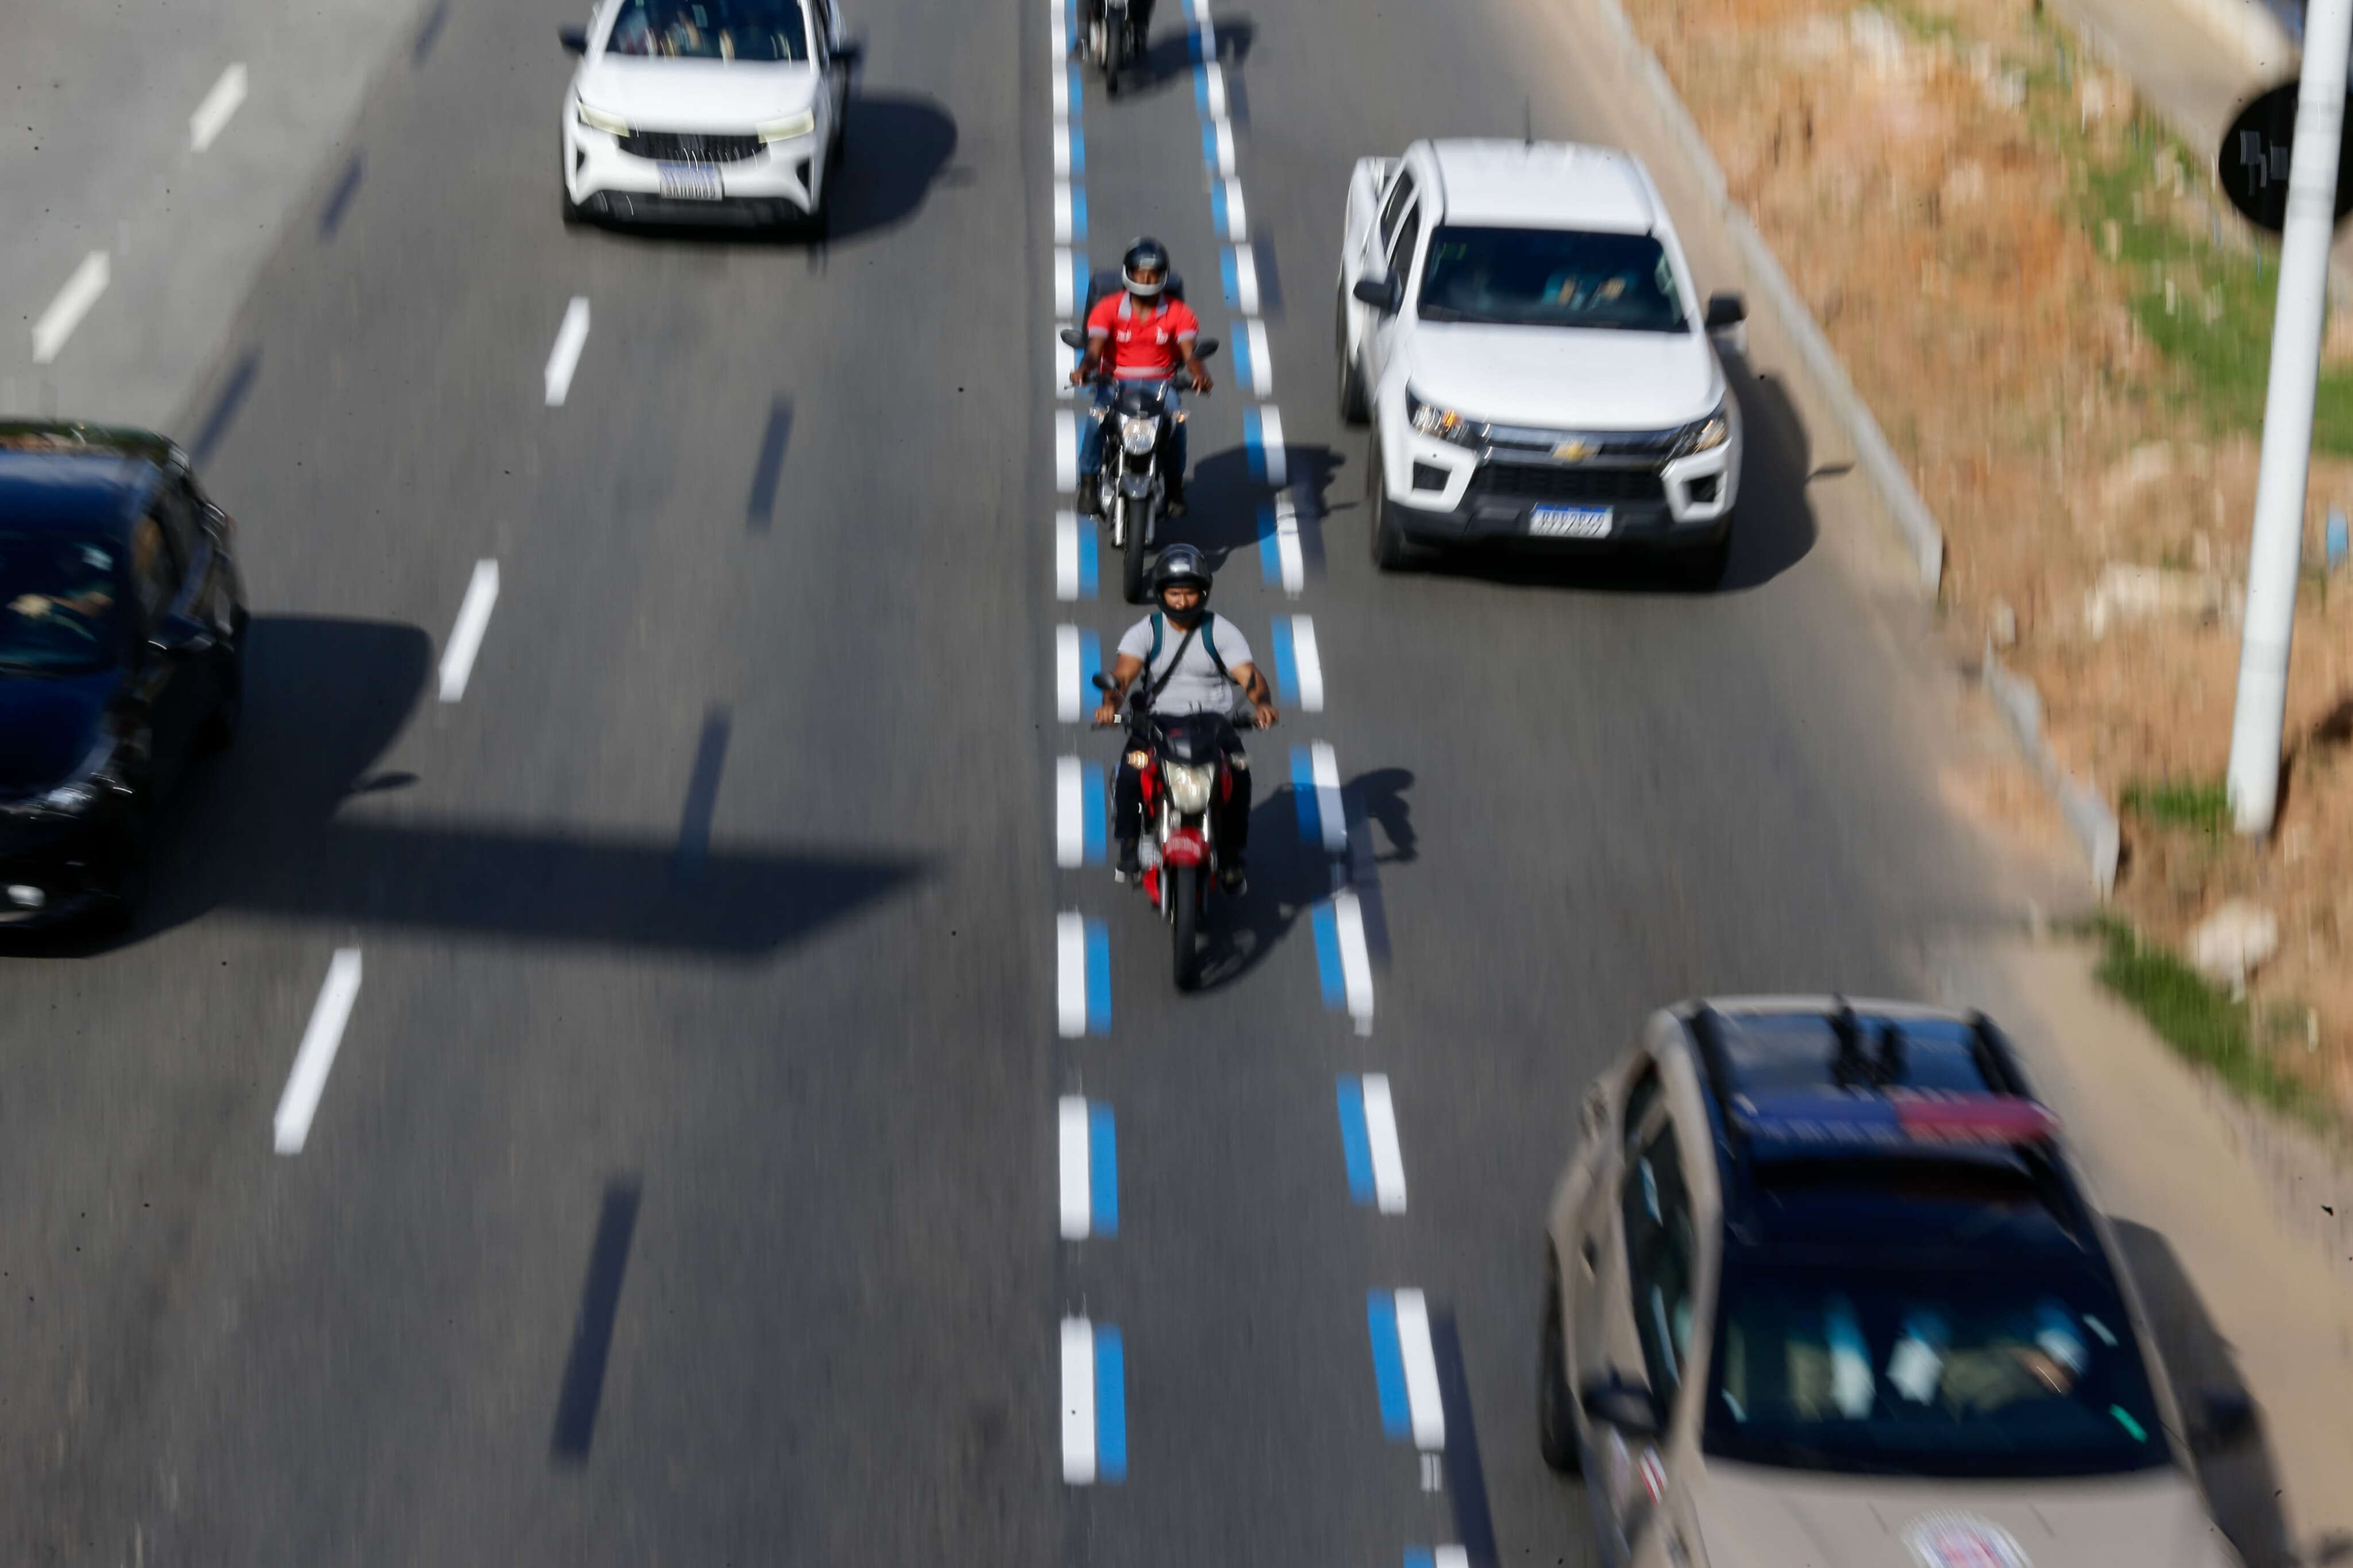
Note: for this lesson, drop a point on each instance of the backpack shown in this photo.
(1208, 634)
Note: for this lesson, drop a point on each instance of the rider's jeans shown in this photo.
(1232, 812)
(1091, 432)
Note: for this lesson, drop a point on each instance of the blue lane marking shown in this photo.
(1079, 275)
(1269, 554)
(1303, 796)
(1388, 1364)
(1089, 655)
(1201, 89)
(1078, 152)
(1419, 1557)
(1074, 95)
(1287, 661)
(1111, 1400)
(1091, 831)
(1210, 144)
(1078, 213)
(1217, 205)
(1089, 565)
(1241, 360)
(1227, 265)
(1253, 433)
(1102, 1169)
(1098, 978)
(1327, 958)
(1355, 1143)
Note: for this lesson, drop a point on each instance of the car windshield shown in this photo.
(711, 29)
(1551, 278)
(1999, 1367)
(57, 612)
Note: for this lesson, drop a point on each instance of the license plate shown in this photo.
(690, 182)
(1570, 521)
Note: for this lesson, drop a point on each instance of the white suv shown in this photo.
(1517, 321)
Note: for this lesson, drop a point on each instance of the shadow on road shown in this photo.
(1291, 871)
(2242, 1483)
(1232, 508)
(265, 829)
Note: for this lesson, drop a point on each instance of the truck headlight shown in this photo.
(1441, 423)
(597, 119)
(1188, 784)
(790, 126)
(1140, 435)
(1705, 434)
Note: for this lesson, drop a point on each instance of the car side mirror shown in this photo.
(850, 51)
(1072, 338)
(176, 635)
(573, 38)
(1613, 1400)
(1726, 312)
(2222, 1419)
(1204, 347)
(1380, 290)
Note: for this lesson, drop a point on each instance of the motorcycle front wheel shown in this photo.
(1184, 925)
(1132, 564)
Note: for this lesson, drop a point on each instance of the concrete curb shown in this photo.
(2087, 814)
(2262, 31)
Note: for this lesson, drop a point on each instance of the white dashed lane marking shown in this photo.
(72, 303)
(316, 1057)
(570, 338)
(466, 635)
(211, 116)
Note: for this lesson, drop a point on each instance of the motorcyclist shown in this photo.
(1195, 659)
(1139, 15)
(1146, 341)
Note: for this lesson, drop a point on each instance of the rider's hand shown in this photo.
(1201, 378)
(1106, 714)
(1077, 374)
(1263, 716)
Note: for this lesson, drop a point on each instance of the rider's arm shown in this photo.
(1124, 671)
(1254, 687)
(1185, 337)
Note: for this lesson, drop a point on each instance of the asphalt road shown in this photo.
(685, 1188)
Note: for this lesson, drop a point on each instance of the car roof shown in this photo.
(1548, 184)
(76, 479)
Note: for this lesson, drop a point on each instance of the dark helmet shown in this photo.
(1144, 253)
(1181, 565)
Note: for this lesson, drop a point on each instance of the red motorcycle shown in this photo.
(1183, 771)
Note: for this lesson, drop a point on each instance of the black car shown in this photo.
(122, 656)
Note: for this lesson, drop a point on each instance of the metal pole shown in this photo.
(2278, 546)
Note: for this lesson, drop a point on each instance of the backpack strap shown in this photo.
(1159, 683)
(1209, 641)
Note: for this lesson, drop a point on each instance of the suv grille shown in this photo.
(1530, 481)
(685, 147)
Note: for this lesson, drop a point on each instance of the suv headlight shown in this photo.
(1188, 784)
(1442, 424)
(790, 126)
(597, 119)
(1140, 434)
(1705, 434)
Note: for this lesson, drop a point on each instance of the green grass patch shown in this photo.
(2200, 1021)
(2201, 807)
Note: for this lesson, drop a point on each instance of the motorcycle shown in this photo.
(1113, 41)
(1184, 770)
(1134, 487)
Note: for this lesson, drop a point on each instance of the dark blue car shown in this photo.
(121, 658)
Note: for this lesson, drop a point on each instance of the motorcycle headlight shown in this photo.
(597, 119)
(790, 126)
(1705, 434)
(1444, 424)
(1140, 435)
(1188, 784)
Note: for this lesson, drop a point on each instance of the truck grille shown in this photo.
(687, 147)
(1535, 482)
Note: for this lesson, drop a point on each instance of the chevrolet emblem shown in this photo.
(1573, 451)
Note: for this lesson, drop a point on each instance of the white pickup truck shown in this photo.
(1517, 321)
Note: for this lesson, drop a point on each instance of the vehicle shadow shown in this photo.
(1168, 58)
(1232, 510)
(1291, 871)
(270, 828)
(1775, 527)
(2241, 1482)
(897, 148)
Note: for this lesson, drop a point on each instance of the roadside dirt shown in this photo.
(2031, 286)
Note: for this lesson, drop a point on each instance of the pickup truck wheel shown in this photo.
(1353, 409)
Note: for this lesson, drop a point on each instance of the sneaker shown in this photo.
(1232, 880)
(1089, 496)
(1176, 506)
(1130, 865)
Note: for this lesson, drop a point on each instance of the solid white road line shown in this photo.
(1451, 1557)
(1066, 556)
(1381, 1140)
(1310, 662)
(1270, 440)
(466, 636)
(72, 303)
(1246, 280)
(1070, 813)
(1077, 1402)
(212, 115)
(1326, 767)
(1060, 82)
(317, 1055)
(1225, 140)
(1058, 34)
(1237, 216)
(1071, 974)
(1066, 450)
(1077, 1199)
(1062, 214)
(1062, 150)
(566, 358)
(1067, 695)
(1356, 959)
(1288, 554)
(1215, 79)
(1421, 1371)
(1261, 361)
(1066, 286)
